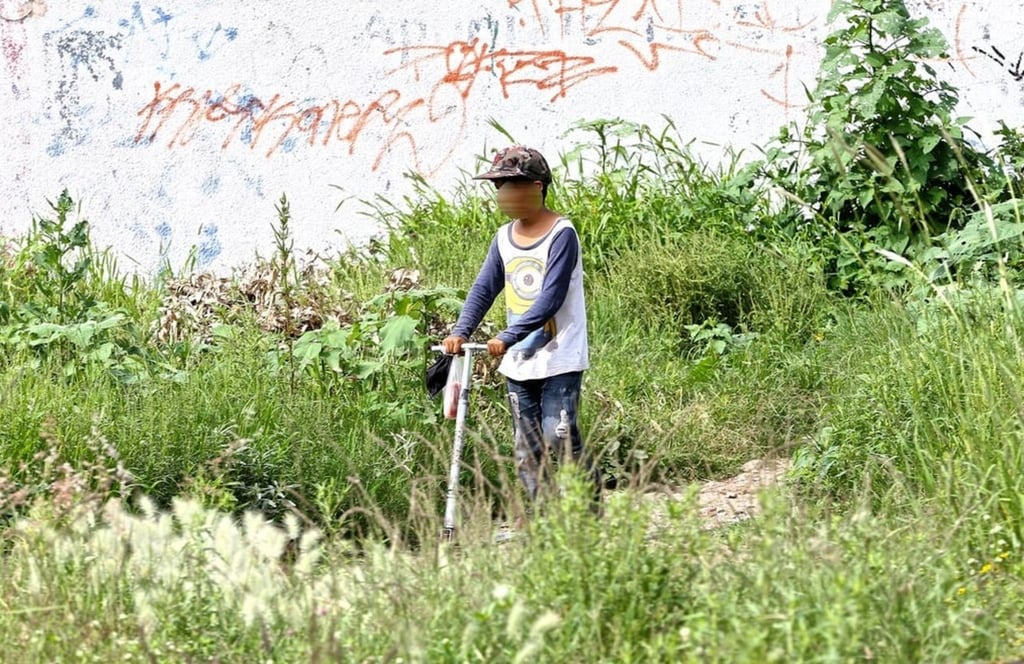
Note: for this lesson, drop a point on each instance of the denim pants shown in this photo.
(544, 414)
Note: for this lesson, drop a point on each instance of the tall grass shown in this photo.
(235, 428)
(797, 585)
(928, 393)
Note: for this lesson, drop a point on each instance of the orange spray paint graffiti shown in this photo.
(464, 62)
(176, 114)
(652, 30)
(445, 77)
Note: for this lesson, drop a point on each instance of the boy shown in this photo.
(544, 348)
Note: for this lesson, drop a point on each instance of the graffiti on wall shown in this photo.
(82, 55)
(1013, 66)
(655, 31)
(273, 123)
(446, 76)
(463, 63)
(12, 35)
(176, 114)
(88, 59)
(158, 77)
(652, 33)
(13, 40)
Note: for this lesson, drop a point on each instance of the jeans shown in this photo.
(544, 414)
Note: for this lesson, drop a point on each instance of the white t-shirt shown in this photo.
(560, 344)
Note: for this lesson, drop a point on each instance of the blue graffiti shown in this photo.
(209, 248)
(246, 100)
(88, 50)
(56, 147)
(89, 14)
(162, 16)
(487, 25)
(138, 231)
(123, 28)
(211, 185)
(155, 23)
(163, 229)
(138, 21)
(256, 184)
(208, 50)
(84, 55)
(161, 192)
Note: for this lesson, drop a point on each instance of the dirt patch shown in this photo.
(727, 501)
(721, 502)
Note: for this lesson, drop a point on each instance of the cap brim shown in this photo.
(495, 175)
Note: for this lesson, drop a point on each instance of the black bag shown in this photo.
(437, 375)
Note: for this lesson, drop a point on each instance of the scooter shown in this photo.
(464, 385)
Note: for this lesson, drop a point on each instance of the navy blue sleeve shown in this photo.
(562, 257)
(488, 284)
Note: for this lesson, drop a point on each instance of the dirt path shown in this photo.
(721, 502)
(726, 501)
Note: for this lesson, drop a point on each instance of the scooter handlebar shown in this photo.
(467, 346)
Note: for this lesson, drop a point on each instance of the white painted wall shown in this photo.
(179, 123)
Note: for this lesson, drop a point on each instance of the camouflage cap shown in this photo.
(518, 161)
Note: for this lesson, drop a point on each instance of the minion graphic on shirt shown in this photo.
(524, 276)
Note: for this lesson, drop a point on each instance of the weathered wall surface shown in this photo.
(179, 124)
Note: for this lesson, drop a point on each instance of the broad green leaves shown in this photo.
(390, 333)
(398, 335)
(51, 306)
(881, 162)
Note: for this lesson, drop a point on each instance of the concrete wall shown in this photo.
(179, 124)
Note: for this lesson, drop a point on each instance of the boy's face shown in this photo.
(519, 198)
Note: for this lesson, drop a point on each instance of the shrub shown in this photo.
(881, 161)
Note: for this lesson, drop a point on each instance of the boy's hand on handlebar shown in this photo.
(496, 347)
(453, 344)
